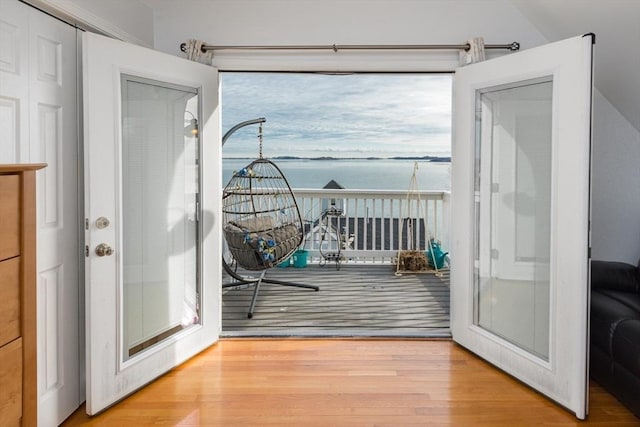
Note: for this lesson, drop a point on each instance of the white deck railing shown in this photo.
(366, 225)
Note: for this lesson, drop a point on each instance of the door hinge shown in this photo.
(495, 187)
(86, 223)
(495, 254)
(86, 251)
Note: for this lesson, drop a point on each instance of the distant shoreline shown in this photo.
(443, 159)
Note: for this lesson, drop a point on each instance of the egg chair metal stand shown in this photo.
(262, 222)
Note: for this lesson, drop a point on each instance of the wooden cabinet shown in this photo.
(18, 381)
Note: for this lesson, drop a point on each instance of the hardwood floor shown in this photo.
(340, 382)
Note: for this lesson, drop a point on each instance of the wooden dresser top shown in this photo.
(17, 167)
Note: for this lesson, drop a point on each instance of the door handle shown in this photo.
(104, 250)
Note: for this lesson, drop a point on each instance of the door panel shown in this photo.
(153, 190)
(54, 140)
(38, 123)
(520, 205)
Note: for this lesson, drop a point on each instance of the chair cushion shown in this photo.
(606, 314)
(631, 300)
(254, 224)
(257, 245)
(618, 276)
(626, 346)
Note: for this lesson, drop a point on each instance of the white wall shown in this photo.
(340, 22)
(616, 24)
(615, 185)
(616, 150)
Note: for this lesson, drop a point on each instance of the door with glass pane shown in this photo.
(151, 152)
(520, 203)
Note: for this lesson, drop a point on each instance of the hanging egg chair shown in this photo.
(263, 226)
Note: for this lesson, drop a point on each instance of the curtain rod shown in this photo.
(334, 47)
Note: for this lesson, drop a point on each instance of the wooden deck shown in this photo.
(357, 300)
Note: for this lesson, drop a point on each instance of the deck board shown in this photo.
(357, 300)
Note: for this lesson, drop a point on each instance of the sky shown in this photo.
(352, 115)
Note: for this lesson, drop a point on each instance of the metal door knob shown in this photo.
(104, 250)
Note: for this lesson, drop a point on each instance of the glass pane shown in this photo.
(159, 212)
(513, 213)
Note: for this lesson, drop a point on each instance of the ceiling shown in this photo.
(616, 24)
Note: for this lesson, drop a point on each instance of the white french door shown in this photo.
(520, 204)
(152, 202)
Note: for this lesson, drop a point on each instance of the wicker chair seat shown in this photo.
(259, 243)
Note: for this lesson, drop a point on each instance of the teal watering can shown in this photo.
(435, 256)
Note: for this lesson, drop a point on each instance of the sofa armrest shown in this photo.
(617, 276)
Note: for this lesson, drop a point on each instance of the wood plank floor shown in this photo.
(357, 300)
(344, 382)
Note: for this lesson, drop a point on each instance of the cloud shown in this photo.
(359, 115)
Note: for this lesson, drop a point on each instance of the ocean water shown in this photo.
(360, 174)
